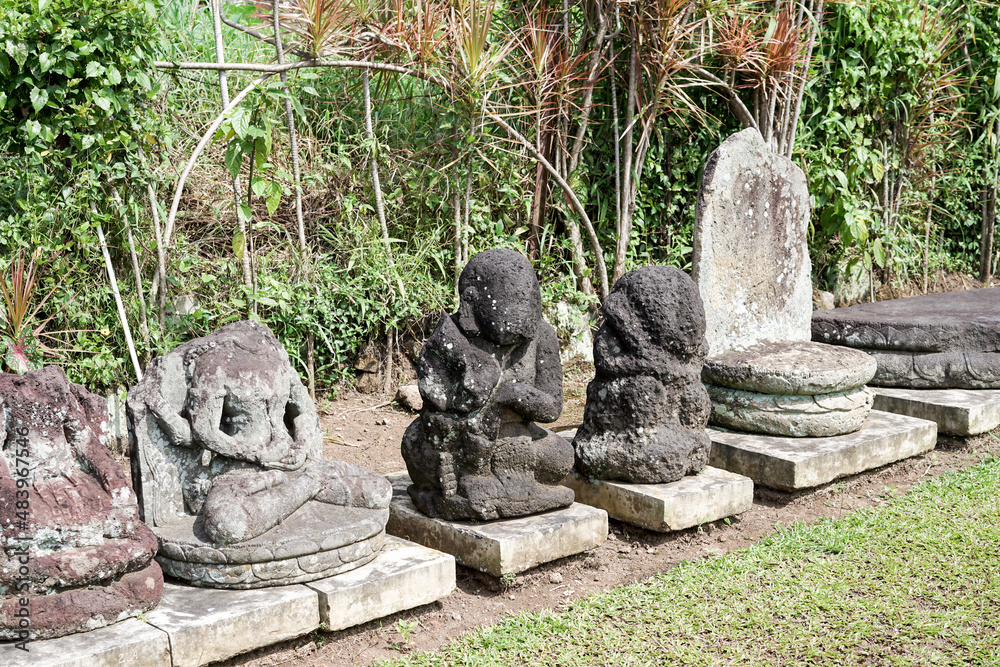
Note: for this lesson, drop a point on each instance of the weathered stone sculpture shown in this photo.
(72, 547)
(751, 263)
(486, 374)
(936, 341)
(227, 462)
(646, 407)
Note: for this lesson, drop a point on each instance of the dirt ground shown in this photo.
(367, 429)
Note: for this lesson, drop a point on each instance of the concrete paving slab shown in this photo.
(956, 411)
(696, 499)
(130, 642)
(499, 547)
(210, 624)
(403, 576)
(799, 463)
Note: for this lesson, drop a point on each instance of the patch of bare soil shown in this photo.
(367, 430)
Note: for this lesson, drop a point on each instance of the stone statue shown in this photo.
(751, 263)
(227, 462)
(486, 375)
(646, 407)
(72, 545)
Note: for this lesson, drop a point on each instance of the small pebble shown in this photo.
(651, 550)
(555, 578)
(455, 616)
(723, 538)
(612, 537)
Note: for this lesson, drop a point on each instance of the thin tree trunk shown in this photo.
(989, 226)
(624, 230)
(813, 31)
(617, 142)
(376, 185)
(137, 272)
(456, 205)
(293, 147)
(220, 57)
(290, 122)
(118, 298)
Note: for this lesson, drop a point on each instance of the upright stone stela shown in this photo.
(764, 375)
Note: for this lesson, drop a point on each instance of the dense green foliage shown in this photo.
(76, 88)
(897, 122)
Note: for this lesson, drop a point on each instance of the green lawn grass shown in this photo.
(915, 582)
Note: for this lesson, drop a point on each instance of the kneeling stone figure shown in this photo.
(229, 469)
(486, 374)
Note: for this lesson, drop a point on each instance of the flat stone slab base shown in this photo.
(956, 411)
(788, 463)
(696, 499)
(130, 642)
(499, 547)
(404, 576)
(196, 626)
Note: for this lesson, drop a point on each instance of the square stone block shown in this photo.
(210, 624)
(800, 463)
(956, 411)
(404, 575)
(130, 642)
(696, 499)
(499, 547)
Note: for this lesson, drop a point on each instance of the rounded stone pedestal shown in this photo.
(791, 415)
(793, 367)
(793, 388)
(318, 540)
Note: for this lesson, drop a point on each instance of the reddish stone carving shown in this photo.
(72, 545)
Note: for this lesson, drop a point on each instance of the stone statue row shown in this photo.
(226, 446)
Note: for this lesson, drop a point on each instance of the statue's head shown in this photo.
(499, 298)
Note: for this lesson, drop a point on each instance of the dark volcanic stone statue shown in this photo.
(486, 374)
(68, 514)
(647, 408)
(227, 461)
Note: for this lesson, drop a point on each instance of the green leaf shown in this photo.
(309, 90)
(244, 212)
(45, 60)
(94, 68)
(258, 185)
(273, 197)
(841, 177)
(878, 171)
(143, 80)
(114, 76)
(241, 121)
(39, 97)
(103, 102)
(233, 158)
(239, 245)
(878, 251)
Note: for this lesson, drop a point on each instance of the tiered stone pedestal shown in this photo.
(196, 626)
(789, 464)
(956, 411)
(506, 546)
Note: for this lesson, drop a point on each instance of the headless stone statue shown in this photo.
(646, 408)
(486, 375)
(72, 544)
(229, 455)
